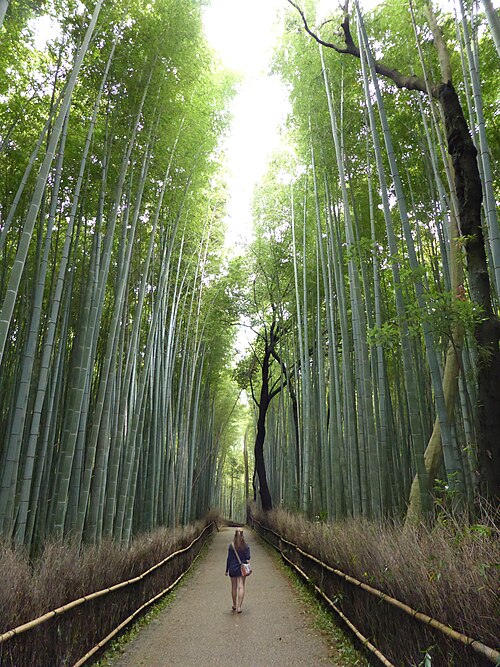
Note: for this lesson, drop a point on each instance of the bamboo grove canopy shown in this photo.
(372, 283)
(376, 372)
(112, 295)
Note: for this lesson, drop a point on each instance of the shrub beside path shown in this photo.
(200, 629)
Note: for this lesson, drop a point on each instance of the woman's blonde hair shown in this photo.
(239, 540)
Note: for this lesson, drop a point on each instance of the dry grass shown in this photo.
(65, 572)
(449, 572)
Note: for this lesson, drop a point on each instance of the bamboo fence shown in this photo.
(486, 651)
(40, 620)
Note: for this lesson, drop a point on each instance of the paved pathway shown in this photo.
(199, 628)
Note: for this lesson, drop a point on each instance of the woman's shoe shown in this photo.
(239, 611)
(233, 608)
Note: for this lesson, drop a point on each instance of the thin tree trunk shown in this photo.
(4, 5)
(494, 22)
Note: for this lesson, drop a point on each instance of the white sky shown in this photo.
(243, 32)
(45, 29)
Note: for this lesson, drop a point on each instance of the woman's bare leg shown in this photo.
(234, 588)
(241, 592)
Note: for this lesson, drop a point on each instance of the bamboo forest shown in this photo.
(340, 368)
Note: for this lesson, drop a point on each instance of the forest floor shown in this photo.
(276, 626)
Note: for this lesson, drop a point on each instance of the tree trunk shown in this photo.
(4, 5)
(260, 467)
(487, 331)
(494, 23)
(469, 195)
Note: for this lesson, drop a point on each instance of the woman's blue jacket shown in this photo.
(232, 565)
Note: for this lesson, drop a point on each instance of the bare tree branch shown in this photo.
(313, 35)
(252, 391)
(401, 80)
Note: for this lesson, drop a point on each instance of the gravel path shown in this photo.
(200, 629)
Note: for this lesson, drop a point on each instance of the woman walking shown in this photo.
(238, 552)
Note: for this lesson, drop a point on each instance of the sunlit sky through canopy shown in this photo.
(243, 33)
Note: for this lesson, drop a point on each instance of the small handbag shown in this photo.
(246, 569)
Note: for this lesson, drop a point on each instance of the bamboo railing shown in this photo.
(40, 620)
(364, 640)
(95, 649)
(486, 651)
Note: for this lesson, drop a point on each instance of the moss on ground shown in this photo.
(342, 646)
(117, 646)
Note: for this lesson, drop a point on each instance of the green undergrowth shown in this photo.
(118, 646)
(342, 648)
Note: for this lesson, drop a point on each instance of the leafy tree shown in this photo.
(468, 191)
(113, 347)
